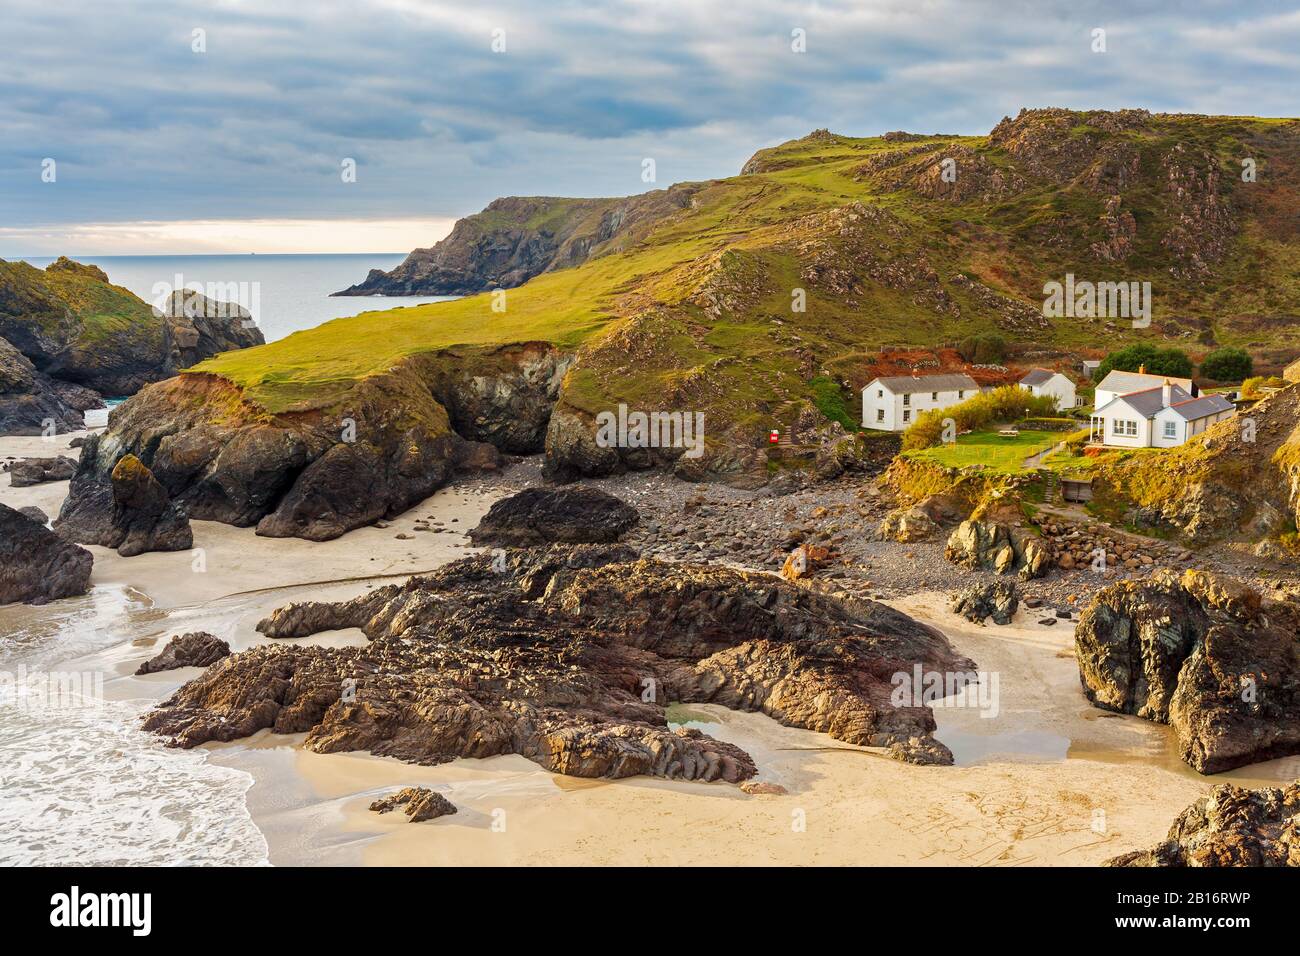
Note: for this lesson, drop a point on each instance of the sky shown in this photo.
(185, 127)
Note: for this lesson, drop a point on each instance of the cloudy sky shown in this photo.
(239, 146)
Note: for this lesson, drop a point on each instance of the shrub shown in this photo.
(1173, 362)
(988, 348)
(1006, 404)
(1228, 365)
(829, 399)
(1252, 387)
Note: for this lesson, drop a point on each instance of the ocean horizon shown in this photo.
(285, 292)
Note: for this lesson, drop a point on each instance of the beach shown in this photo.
(1048, 780)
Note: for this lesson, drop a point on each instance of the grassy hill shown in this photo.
(682, 299)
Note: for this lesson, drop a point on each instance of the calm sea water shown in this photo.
(285, 293)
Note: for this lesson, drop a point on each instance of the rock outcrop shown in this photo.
(196, 327)
(979, 602)
(26, 472)
(1232, 826)
(574, 515)
(32, 403)
(420, 804)
(906, 525)
(198, 649)
(568, 657)
(130, 511)
(36, 565)
(1203, 654)
(990, 545)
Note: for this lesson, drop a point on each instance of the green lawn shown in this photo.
(989, 449)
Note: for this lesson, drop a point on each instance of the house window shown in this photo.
(880, 414)
(907, 400)
(961, 393)
(1123, 428)
(880, 393)
(1171, 429)
(907, 415)
(934, 396)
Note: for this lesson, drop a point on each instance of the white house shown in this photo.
(892, 403)
(1157, 417)
(1117, 383)
(1041, 381)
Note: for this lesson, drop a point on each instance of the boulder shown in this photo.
(36, 565)
(569, 656)
(198, 649)
(421, 804)
(804, 560)
(1220, 667)
(1232, 826)
(35, 514)
(978, 602)
(906, 525)
(988, 545)
(131, 512)
(34, 471)
(573, 515)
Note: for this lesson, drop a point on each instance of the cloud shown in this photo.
(145, 129)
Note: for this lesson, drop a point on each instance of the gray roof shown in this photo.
(1125, 382)
(911, 384)
(1038, 376)
(1149, 401)
(1203, 407)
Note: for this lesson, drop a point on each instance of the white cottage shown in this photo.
(893, 402)
(1157, 417)
(1117, 383)
(1042, 381)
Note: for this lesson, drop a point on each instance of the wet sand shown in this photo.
(1048, 781)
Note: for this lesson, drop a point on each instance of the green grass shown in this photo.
(988, 448)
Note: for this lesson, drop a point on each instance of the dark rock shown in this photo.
(1232, 826)
(187, 650)
(34, 471)
(35, 514)
(196, 327)
(568, 656)
(976, 602)
(421, 804)
(130, 512)
(36, 566)
(574, 515)
(32, 403)
(1202, 654)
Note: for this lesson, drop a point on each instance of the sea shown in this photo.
(79, 781)
(284, 293)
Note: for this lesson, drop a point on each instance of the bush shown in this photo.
(1228, 365)
(1006, 404)
(1252, 387)
(988, 348)
(829, 399)
(1173, 362)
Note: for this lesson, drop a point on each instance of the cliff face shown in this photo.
(517, 238)
(74, 330)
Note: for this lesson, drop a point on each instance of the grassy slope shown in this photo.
(101, 310)
(989, 449)
(649, 340)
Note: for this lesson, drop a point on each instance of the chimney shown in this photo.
(1167, 393)
(1142, 369)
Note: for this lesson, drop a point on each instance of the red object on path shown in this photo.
(774, 437)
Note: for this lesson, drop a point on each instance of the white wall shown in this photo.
(1059, 387)
(1140, 440)
(1158, 439)
(900, 411)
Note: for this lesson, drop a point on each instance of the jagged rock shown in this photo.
(1221, 667)
(1232, 826)
(35, 514)
(130, 512)
(906, 525)
(32, 403)
(36, 566)
(34, 471)
(998, 547)
(577, 515)
(568, 656)
(804, 560)
(198, 649)
(977, 602)
(196, 327)
(421, 804)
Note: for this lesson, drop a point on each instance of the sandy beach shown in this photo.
(1049, 780)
